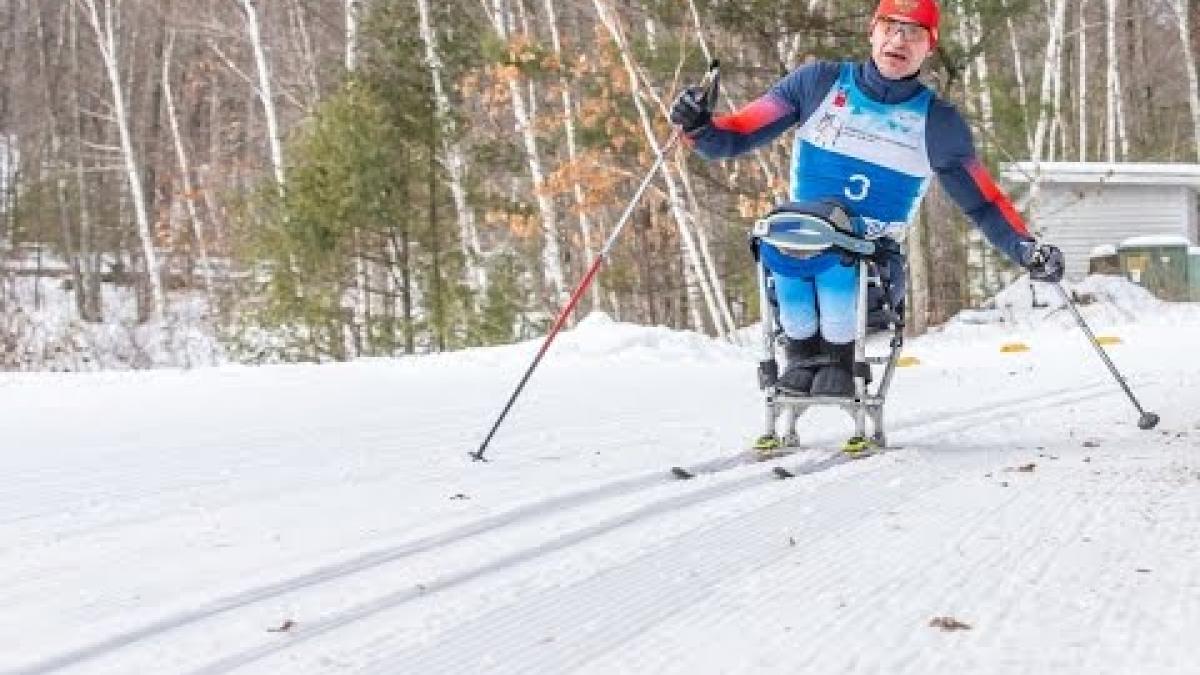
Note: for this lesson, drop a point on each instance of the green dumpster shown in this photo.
(1194, 272)
(1157, 263)
(1104, 260)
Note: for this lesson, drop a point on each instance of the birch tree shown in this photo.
(185, 167)
(353, 9)
(1051, 67)
(104, 20)
(453, 160)
(1115, 132)
(674, 198)
(1083, 81)
(265, 90)
(568, 104)
(1019, 75)
(552, 265)
(1181, 9)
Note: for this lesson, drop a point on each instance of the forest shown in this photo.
(323, 180)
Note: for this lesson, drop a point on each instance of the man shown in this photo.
(871, 136)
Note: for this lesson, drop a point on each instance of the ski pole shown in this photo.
(708, 83)
(1147, 420)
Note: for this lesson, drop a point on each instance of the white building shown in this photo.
(1081, 206)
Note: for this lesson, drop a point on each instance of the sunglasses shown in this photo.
(909, 32)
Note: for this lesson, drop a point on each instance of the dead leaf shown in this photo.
(1024, 468)
(283, 627)
(948, 624)
(460, 496)
(1091, 444)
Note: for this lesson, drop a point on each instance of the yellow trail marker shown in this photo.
(1014, 347)
(1108, 340)
(907, 362)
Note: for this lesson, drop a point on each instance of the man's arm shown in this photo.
(789, 102)
(952, 155)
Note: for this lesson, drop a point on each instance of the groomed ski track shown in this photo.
(838, 570)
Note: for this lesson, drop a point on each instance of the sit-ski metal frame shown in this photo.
(811, 235)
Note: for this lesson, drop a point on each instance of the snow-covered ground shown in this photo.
(327, 519)
(40, 330)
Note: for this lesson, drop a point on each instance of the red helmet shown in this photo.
(921, 12)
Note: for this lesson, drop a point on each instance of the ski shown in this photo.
(760, 453)
(852, 450)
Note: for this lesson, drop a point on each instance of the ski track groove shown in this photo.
(825, 570)
(956, 419)
(512, 638)
(1019, 552)
(362, 611)
(316, 628)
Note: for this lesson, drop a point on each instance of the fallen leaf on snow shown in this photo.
(1024, 468)
(283, 627)
(948, 623)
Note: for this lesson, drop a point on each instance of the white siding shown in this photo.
(1080, 217)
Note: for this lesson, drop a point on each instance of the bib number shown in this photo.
(858, 188)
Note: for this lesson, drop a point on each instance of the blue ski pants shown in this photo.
(826, 300)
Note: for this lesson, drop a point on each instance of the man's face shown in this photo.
(899, 46)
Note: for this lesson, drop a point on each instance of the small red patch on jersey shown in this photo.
(839, 99)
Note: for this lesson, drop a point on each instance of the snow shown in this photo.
(43, 331)
(1155, 240)
(1103, 251)
(327, 519)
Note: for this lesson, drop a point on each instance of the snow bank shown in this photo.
(40, 331)
(1104, 300)
(598, 335)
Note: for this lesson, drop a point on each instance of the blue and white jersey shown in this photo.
(869, 154)
(872, 143)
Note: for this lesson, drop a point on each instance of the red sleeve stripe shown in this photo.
(992, 193)
(752, 117)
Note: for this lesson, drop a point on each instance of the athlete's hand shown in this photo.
(1045, 262)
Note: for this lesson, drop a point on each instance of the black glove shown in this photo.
(692, 110)
(1044, 261)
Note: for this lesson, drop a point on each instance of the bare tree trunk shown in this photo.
(1115, 134)
(1019, 73)
(92, 309)
(265, 91)
(353, 14)
(185, 170)
(706, 254)
(1050, 70)
(106, 38)
(454, 163)
(675, 200)
(1083, 81)
(1058, 130)
(1189, 61)
(551, 255)
(585, 226)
